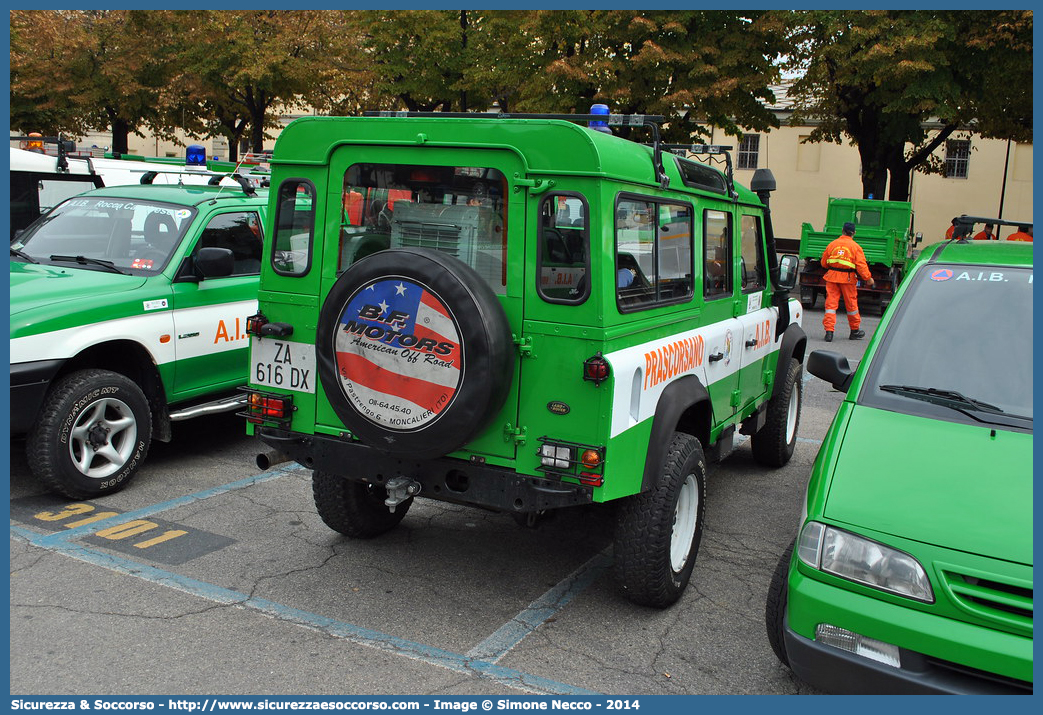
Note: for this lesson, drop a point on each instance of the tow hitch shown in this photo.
(399, 489)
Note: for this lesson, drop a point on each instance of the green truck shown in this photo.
(521, 314)
(128, 313)
(884, 229)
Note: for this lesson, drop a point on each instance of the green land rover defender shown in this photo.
(521, 313)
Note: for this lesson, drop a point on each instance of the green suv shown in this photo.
(128, 312)
(912, 568)
(521, 314)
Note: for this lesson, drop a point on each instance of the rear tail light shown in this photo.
(596, 369)
(266, 407)
(563, 459)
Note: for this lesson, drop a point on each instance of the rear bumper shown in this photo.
(29, 384)
(458, 481)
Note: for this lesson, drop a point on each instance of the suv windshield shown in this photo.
(93, 232)
(959, 347)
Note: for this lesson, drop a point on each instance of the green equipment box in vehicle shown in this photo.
(128, 312)
(884, 229)
(522, 314)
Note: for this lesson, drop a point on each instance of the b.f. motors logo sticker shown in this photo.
(941, 274)
(399, 355)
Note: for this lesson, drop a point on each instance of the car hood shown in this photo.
(37, 285)
(948, 484)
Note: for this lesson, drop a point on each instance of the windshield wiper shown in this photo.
(961, 403)
(84, 261)
(23, 255)
(933, 394)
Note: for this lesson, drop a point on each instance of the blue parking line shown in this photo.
(536, 613)
(472, 663)
(464, 664)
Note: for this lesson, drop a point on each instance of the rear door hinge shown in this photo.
(518, 435)
(524, 346)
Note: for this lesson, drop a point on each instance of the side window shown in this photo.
(752, 273)
(294, 227)
(717, 256)
(564, 255)
(653, 253)
(240, 232)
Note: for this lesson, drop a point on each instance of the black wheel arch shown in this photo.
(684, 406)
(134, 361)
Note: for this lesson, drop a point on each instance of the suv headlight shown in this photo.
(856, 558)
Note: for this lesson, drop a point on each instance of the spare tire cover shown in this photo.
(414, 351)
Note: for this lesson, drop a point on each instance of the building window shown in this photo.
(749, 148)
(957, 156)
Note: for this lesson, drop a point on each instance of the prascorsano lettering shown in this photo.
(671, 360)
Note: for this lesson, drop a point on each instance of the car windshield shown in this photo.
(959, 347)
(102, 233)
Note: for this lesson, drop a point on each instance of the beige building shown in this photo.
(985, 177)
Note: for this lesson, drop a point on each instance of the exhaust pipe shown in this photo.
(267, 460)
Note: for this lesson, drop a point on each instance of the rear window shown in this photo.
(963, 329)
(459, 210)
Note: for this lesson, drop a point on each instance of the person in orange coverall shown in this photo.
(845, 262)
(1024, 233)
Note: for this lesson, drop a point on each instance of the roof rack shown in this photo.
(965, 222)
(65, 147)
(652, 121)
(149, 175)
(709, 150)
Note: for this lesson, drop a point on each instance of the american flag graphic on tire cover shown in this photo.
(399, 356)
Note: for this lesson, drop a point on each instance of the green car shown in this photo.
(521, 314)
(128, 312)
(912, 569)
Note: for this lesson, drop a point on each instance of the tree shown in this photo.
(879, 77)
(713, 67)
(73, 71)
(259, 61)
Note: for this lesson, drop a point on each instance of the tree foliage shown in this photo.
(900, 83)
(74, 70)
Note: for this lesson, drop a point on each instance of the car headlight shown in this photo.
(862, 560)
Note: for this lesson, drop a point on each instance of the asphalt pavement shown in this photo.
(209, 576)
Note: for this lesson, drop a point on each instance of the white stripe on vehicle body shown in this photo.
(642, 372)
(146, 330)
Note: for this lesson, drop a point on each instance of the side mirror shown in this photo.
(831, 367)
(919, 237)
(788, 267)
(214, 262)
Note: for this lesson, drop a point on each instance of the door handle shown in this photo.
(752, 342)
(715, 357)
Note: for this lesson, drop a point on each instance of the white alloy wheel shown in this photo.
(686, 516)
(792, 411)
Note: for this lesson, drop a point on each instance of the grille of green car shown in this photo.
(1003, 603)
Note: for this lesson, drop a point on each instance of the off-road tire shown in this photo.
(775, 606)
(355, 509)
(773, 443)
(92, 434)
(647, 566)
